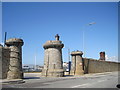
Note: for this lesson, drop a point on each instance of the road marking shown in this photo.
(80, 85)
(87, 84)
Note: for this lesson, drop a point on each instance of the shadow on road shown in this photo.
(31, 78)
(68, 75)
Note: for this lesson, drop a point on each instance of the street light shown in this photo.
(84, 38)
(35, 63)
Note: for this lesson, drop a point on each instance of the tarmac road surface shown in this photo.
(99, 80)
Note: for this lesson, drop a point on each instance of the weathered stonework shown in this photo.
(87, 65)
(53, 64)
(99, 66)
(77, 63)
(4, 61)
(1, 61)
(15, 65)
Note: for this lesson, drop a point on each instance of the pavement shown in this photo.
(12, 81)
(34, 80)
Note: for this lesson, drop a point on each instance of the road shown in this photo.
(99, 80)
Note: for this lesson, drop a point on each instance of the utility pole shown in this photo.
(69, 63)
(83, 43)
(35, 61)
(69, 54)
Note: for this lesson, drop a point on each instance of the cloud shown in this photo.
(2, 43)
(112, 58)
(106, 56)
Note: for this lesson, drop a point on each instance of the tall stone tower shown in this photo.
(102, 56)
(77, 63)
(53, 64)
(15, 66)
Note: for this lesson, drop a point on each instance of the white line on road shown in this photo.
(101, 80)
(80, 85)
(87, 84)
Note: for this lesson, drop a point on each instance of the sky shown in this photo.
(38, 22)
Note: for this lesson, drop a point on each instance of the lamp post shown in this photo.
(84, 38)
(69, 65)
(35, 63)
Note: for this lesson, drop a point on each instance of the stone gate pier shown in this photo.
(4, 61)
(77, 63)
(15, 64)
(53, 64)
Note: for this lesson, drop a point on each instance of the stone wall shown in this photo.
(1, 62)
(99, 66)
(4, 61)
